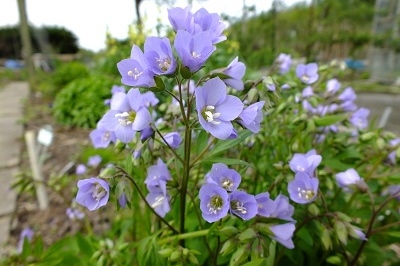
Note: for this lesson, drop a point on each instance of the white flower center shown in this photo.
(305, 193)
(195, 55)
(158, 202)
(209, 114)
(135, 73)
(106, 136)
(227, 184)
(164, 64)
(305, 78)
(215, 204)
(126, 118)
(98, 192)
(238, 207)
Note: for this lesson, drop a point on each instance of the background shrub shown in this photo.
(81, 102)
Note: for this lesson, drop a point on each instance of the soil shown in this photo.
(53, 223)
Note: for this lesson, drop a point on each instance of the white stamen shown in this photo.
(305, 193)
(195, 55)
(164, 64)
(215, 204)
(305, 78)
(106, 136)
(122, 118)
(135, 73)
(158, 202)
(238, 206)
(98, 192)
(227, 184)
(210, 115)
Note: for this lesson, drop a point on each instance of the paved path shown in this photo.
(377, 103)
(11, 140)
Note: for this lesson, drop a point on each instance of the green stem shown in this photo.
(126, 175)
(384, 227)
(180, 101)
(272, 252)
(184, 184)
(166, 143)
(186, 163)
(371, 223)
(202, 152)
(184, 236)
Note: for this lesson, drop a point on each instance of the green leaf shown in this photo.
(201, 141)
(185, 72)
(228, 247)
(192, 258)
(247, 234)
(350, 153)
(84, 245)
(336, 164)
(227, 161)
(393, 234)
(306, 237)
(219, 75)
(227, 231)
(341, 231)
(166, 252)
(326, 239)
(334, 260)
(227, 144)
(159, 82)
(264, 229)
(147, 253)
(175, 256)
(328, 120)
(38, 248)
(256, 262)
(129, 165)
(239, 256)
(313, 209)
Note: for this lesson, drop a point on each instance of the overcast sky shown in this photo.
(90, 19)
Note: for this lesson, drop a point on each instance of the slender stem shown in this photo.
(186, 163)
(369, 230)
(184, 184)
(202, 152)
(169, 146)
(184, 236)
(331, 225)
(384, 227)
(126, 175)
(173, 95)
(375, 166)
(218, 246)
(305, 221)
(200, 223)
(180, 101)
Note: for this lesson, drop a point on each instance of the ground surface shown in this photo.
(53, 223)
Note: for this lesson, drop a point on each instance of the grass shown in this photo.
(8, 75)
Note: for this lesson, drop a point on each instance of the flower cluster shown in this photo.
(207, 112)
(156, 182)
(219, 195)
(304, 188)
(336, 101)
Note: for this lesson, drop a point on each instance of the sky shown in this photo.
(89, 20)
